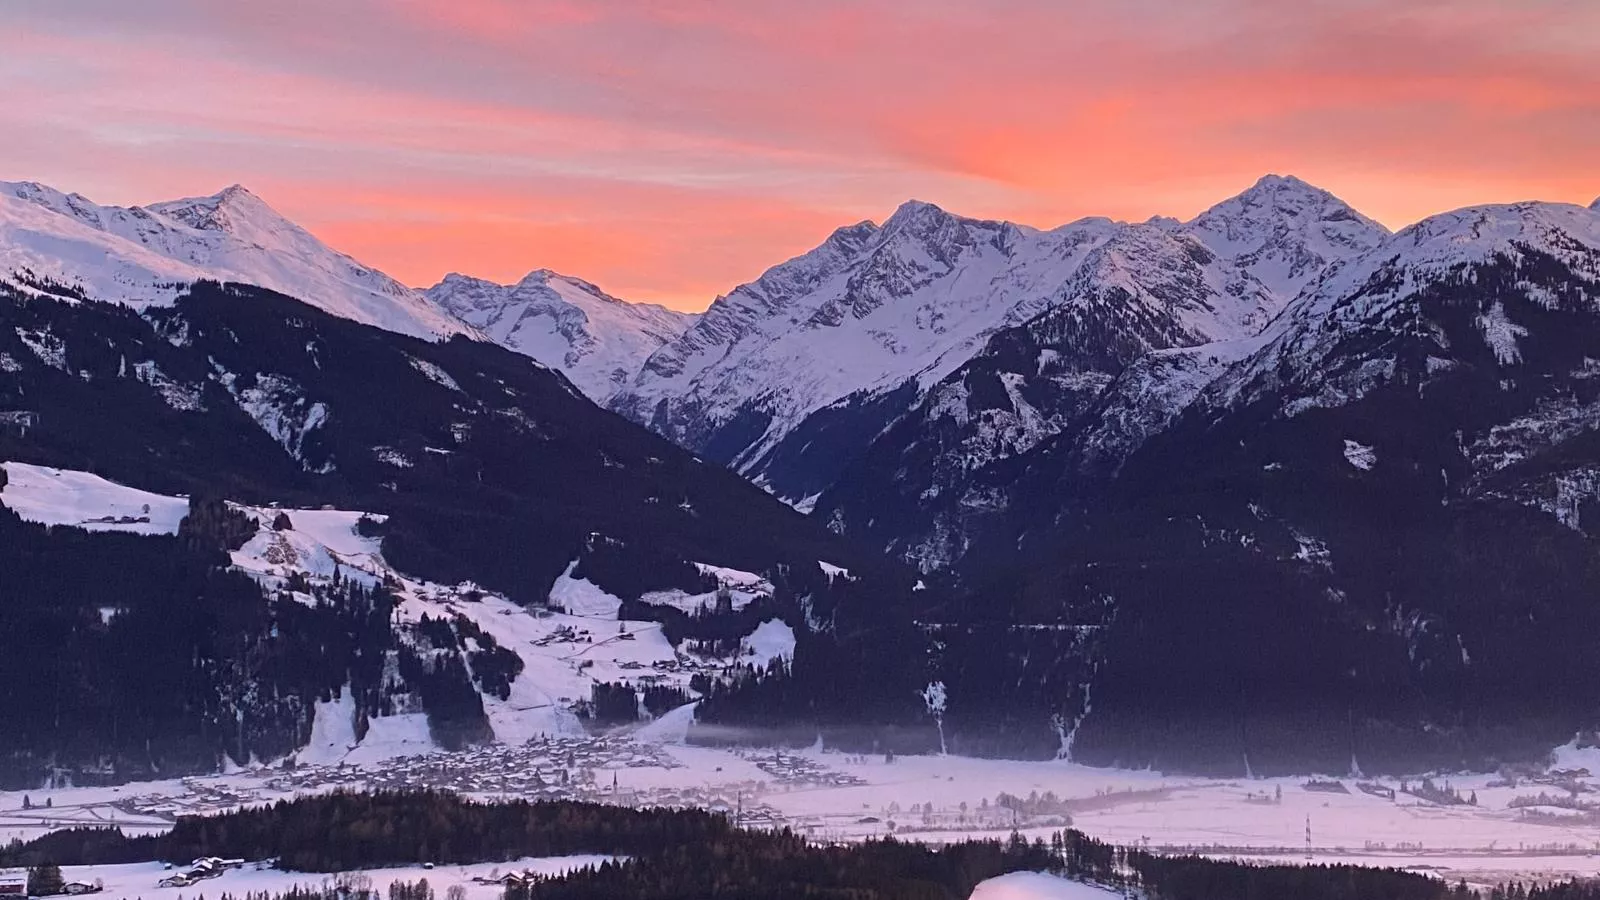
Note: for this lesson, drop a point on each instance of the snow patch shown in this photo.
(1039, 886)
(772, 640)
(671, 728)
(279, 406)
(833, 571)
(79, 499)
(49, 348)
(434, 373)
(1501, 334)
(333, 731)
(179, 396)
(391, 737)
(1360, 455)
(393, 457)
(580, 597)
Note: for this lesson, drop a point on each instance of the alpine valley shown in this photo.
(1269, 490)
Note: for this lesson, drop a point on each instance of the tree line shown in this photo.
(668, 854)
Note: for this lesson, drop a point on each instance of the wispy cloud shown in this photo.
(670, 149)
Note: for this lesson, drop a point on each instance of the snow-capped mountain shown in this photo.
(147, 255)
(789, 378)
(1363, 537)
(596, 340)
(1373, 303)
(869, 309)
(1285, 232)
(1145, 289)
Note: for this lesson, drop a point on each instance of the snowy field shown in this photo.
(138, 880)
(62, 497)
(840, 796)
(1039, 886)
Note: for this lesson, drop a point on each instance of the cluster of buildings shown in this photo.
(200, 870)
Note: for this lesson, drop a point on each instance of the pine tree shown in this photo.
(45, 880)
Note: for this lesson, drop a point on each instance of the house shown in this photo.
(18, 422)
(75, 888)
(13, 883)
(178, 880)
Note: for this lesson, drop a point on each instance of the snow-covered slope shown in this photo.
(81, 500)
(566, 323)
(147, 255)
(867, 310)
(1038, 886)
(796, 372)
(1285, 232)
(1338, 340)
(1142, 324)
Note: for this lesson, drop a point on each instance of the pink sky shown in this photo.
(671, 149)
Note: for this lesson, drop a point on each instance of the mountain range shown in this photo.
(1272, 489)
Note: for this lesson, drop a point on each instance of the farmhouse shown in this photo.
(17, 422)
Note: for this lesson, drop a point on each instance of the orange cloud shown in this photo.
(670, 149)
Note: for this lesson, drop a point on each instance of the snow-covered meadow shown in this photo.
(141, 880)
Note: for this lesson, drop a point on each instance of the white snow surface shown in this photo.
(1228, 818)
(772, 640)
(136, 880)
(1039, 886)
(743, 588)
(1502, 334)
(1360, 455)
(333, 731)
(148, 255)
(566, 323)
(64, 497)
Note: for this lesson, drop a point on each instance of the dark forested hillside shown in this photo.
(482, 465)
(139, 656)
(492, 467)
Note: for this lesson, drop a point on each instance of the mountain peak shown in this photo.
(1595, 205)
(1274, 181)
(916, 215)
(541, 275)
(226, 211)
(598, 341)
(1285, 231)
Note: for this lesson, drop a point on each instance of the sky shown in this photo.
(669, 150)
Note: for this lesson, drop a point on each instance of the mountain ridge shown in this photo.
(232, 235)
(788, 378)
(564, 322)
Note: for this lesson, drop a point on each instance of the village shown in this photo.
(1535, 821)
